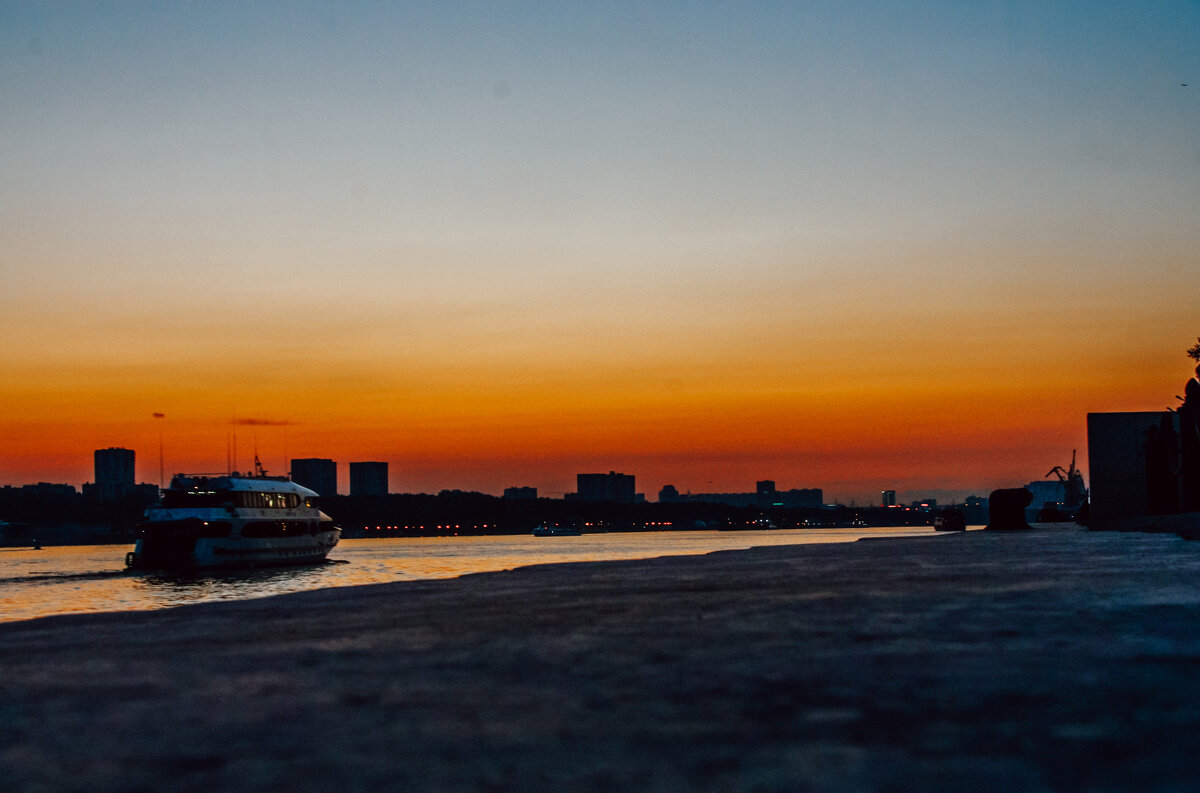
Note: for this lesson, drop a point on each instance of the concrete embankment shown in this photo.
(1042, 660)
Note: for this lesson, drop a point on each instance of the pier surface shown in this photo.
(1048, 660)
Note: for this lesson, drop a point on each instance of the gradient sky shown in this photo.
(848, 245)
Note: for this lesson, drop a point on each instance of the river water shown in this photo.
(91, 578)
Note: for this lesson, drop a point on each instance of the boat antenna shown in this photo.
(233, 422)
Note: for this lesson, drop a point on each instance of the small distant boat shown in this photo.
(233, 521)
(950, 520)
(555, 530)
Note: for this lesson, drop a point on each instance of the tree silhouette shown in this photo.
(1194, 352)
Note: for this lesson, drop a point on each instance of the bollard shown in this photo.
(1006, 508)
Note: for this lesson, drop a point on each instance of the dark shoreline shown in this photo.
(74, 520)
(1042, 660)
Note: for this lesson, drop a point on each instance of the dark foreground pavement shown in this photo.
(1045, 660)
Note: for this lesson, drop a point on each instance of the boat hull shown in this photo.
(207, 553)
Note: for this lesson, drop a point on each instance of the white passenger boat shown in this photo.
(233, 521)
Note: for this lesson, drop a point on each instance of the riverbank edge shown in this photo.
(1051, 659)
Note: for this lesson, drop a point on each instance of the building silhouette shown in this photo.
(765, 495)
(887, 498)
(521, 493)
(317, 474)
(114, 472)
(611, 487)
(1046, 493)
(368, 479)
(976, 509)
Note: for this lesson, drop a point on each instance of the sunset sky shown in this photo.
(847, 245)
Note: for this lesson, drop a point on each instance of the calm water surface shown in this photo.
(88, 578)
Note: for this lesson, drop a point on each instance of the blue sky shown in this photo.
(540, 186)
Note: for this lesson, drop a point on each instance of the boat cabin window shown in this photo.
(268, 500)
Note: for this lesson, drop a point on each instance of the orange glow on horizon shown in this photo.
(846, 432)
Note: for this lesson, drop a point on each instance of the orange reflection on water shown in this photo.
(92, 578)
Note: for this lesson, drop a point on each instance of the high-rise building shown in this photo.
(611, 487)
(115, 478)
(765, 494)
(368, 479)
(887, 498)
(316, 473)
